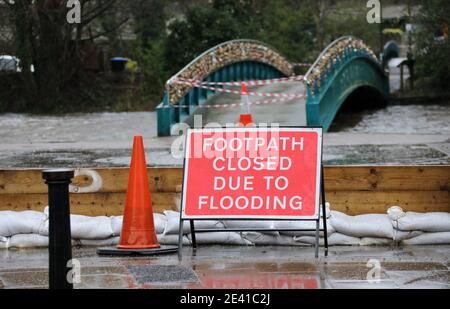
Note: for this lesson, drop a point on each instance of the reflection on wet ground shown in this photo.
(243, 268)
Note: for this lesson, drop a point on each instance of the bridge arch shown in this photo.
(236, 60)
(344, 66)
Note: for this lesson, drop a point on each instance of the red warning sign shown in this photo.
(252, 173)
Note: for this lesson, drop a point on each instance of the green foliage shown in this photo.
(151, 66)
(433, 50)
(203, 28)
(289, 29)
(350, 18)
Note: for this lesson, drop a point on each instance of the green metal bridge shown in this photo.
(345, 66)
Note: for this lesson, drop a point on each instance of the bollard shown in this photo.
(60, 242)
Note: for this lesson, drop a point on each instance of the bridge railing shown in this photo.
(331, 79)
(236, 60)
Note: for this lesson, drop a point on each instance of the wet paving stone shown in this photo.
(349, 271)
(117, 270)
(24, 279)
(243, 268)
(354, 284)
(103, 281)
(162, 274)
(421, 279)
(406, 266)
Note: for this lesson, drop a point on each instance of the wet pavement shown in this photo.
(422, 267)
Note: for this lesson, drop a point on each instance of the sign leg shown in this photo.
(317, 238)
(194, 239)
(324, 210)
(180, 241)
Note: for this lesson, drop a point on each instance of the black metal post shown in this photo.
(324, 207)
(60, 242)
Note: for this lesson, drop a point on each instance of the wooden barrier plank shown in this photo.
(114, 180)
(342, 178)
(398, 178)
(353, 190)
(98, 204)
(361, 202)
(350, 202)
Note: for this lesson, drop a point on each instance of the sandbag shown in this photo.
(429, 239)
(4, 242)
(378, 226)
(173, 224)
(260, 239)
(113, 241)
(334, 240)
(26, 222)
(221, 238)
(395, 213)
(302, 225)
(84, 227)
(426, 222)
(172, 240)
(116, 225)
(21, 241)
(248, 224)
(402, 235)
(371, 241)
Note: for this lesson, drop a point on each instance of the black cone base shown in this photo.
(113, 251)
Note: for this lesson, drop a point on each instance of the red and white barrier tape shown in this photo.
(230, 105)
(299, 78)
(258, 94)
(307, 65)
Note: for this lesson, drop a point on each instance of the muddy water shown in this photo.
(396, 135)
(96, 127)
(403, 119)
(104, 127)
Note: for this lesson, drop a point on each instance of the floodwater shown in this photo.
(405, 119)
(95, 127)
(395, 135)
(115, 127)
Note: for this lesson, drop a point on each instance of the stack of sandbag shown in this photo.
(170, 235)
(22, 229)
(30, 229)
(363, 230)
(420, 228)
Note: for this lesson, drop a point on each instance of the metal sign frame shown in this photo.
(320, 209)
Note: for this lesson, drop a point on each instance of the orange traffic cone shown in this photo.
(246, 119)
(138, 229)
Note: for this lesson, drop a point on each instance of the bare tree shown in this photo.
(45, 39)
